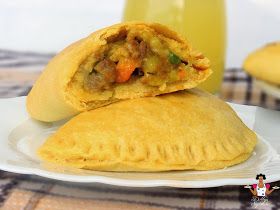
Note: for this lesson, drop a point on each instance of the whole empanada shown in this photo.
(177, 131)
(123, 61)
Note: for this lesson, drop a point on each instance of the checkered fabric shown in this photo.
(239, 87)
(19, 70)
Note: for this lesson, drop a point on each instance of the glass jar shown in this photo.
(202, 22)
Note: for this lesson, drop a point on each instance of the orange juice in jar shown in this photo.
(200, 21)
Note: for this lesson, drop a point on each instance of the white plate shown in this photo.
(21, 136)
(268, 88)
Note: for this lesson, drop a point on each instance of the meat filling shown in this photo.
(129, 57)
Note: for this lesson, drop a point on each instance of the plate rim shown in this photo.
(268, 88)
(141, 183)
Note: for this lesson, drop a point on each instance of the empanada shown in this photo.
(264, 63)
(123, 61)
(177, 131)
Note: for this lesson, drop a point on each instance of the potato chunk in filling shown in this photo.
(137, 56)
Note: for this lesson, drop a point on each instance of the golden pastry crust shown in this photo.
(183, 130)
(264, 63)
(54, 97)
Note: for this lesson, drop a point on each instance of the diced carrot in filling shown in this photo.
(182, 74)
(125, 68)
(142, 56)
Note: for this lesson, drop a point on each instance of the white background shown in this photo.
(50, 25)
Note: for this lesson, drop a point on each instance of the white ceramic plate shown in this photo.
(21, 136)
(268, 88)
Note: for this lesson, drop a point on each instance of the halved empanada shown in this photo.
(182, 130)
(123, 61)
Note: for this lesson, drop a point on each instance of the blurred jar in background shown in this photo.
(200, 21)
